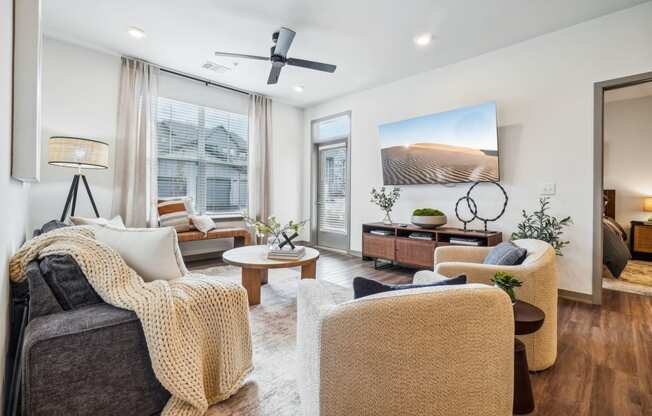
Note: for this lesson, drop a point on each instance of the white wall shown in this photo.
(14, 194)
(544, 91)
(80, 98)
(287, 162)
(627, 150)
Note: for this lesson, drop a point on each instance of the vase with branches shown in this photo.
(273, 229)
(385, 199)
(542, 226)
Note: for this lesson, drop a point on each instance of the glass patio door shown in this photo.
(332, 224)
(332, 230)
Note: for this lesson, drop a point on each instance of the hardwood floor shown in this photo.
(604, 365)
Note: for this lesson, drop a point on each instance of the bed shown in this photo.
(615, 253)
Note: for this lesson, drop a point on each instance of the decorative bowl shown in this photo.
(429, 221)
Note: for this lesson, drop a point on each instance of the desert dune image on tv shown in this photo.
(450, 147)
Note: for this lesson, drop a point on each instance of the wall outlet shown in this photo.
(548, 189)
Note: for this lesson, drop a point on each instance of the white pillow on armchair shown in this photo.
(152, 252)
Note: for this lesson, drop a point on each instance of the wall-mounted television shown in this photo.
(451, 147)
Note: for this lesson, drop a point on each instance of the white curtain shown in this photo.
(134, 187)
(260, 146)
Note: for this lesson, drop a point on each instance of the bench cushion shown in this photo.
(213, 234)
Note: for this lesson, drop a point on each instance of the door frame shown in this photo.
(599, 89)
(314, 172)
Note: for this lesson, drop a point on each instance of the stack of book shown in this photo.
(381, 232)
(286, 253)
(458, 241)
(421, 236)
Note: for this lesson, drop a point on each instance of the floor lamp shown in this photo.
(75, 152)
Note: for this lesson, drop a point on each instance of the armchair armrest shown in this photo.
(461, 254)
(314, 302)
(75, 322)
(96, 358)
(477, 273)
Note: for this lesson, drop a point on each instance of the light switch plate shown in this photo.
(548, 188)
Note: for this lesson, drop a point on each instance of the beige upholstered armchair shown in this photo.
(429, 351)
(540, 283)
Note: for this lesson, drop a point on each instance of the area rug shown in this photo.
(636, 278)
(271, 389)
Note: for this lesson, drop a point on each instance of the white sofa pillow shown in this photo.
(152, 252)
(115, 221)
(203, 223)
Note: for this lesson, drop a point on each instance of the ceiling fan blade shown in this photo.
(311, 64)
(284, 41)
(241, 55)
(273, 74)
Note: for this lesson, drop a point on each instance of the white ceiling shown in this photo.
(370, 41)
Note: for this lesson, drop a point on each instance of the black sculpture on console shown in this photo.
(473, 207)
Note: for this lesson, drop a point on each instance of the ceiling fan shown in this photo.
(282, 40)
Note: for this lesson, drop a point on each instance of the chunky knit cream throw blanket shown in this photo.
(196, 327)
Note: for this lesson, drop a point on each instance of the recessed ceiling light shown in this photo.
(423, 39)
(298, 88)
(136, 32)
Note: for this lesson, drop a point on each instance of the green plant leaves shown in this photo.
(505, 280)
(541, 226)
(427, 212)
(385, 199)
(272, 226)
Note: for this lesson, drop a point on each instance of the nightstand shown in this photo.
(640, 240)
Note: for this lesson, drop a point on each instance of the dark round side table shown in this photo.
(528, 319)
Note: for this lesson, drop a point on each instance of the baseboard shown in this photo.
(332, 250)
(214, 255)
(575, 296)
(353, 253)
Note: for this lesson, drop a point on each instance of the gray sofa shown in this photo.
(91, 360)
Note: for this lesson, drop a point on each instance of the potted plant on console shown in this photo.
(385, 199)
(428, 218)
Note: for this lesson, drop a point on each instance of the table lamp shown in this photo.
(647, 206)
(75, 152)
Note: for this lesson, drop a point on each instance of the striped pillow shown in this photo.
(173, 213)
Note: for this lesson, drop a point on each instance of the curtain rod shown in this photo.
(202, 80)
(192, 77)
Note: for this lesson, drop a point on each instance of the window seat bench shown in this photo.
(241, 236)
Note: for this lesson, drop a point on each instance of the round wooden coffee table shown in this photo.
(527, 319)
(254, 263)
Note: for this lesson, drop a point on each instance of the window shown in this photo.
(202, 153)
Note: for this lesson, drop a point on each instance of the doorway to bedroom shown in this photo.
(627, 187)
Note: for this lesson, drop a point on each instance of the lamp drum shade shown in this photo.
(647, 204)
(74, 152)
